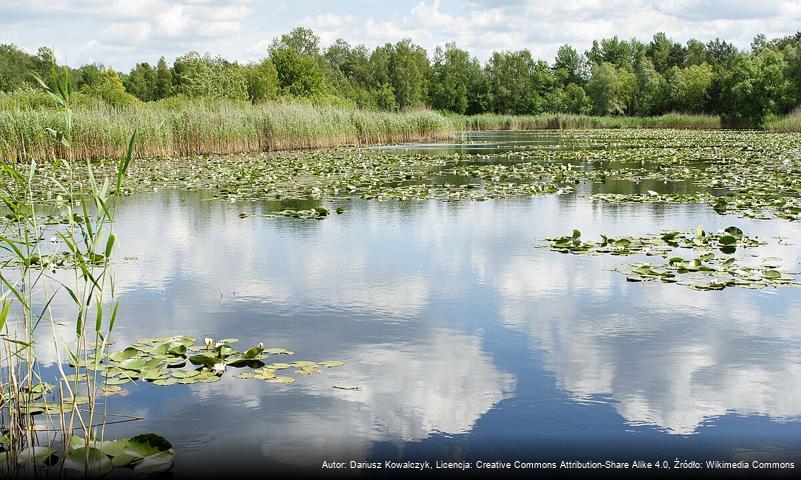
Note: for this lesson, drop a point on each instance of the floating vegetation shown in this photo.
(708, 271)
(167, 361)
(727, 241)
(147, 453)
(711, 272)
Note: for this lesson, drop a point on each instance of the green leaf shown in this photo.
(205, 360)
(147, 444)
(88, 460)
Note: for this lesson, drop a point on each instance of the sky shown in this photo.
(120, 33)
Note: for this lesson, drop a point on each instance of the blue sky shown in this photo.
(121, 32)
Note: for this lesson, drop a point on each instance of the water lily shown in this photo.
(218, 369)
(208, 341)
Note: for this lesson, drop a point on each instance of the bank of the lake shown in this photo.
(184, 128)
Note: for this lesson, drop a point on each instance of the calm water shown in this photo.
(468, 341)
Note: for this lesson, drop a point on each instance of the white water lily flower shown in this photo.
(208, 341)
(218, 369)
(218, 344)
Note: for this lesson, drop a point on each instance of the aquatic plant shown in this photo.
(27, 292)
(707, 271)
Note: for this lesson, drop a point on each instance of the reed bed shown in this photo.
(181, 128)
(790, 123)
(570, 121)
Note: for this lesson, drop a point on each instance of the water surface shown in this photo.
(468, 341)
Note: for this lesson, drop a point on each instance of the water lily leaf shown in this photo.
(229, 340)
(160, 462)
(304, 364)
(147, 444)
(163, 382)
(126, 354)
(278, 366)
(331, 363)
(185, 373)
(111, 389)
(252, 353)
(36, 455)
(277, 351)
(152, 374)
(89, 461)
(205, 360)
(772, 274)
(734, 232)
(135, 364)
(727, 240)
(117, 381)
(281, 380)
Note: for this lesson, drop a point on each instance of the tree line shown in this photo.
(613, 77)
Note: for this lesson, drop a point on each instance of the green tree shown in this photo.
(576, 100)
(450, 78)
(109, 89)
(408, 73)
(164, 80)
(262, 81)
(88, 75)
(518, 84)
(206, 76)
(295, 57)
(141, 82)
(568, 67)
(17, 67)
(689, 87)
(606, 89)
(665, 53)
(649, 95)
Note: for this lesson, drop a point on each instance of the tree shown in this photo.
(695, 53)
(206, 76)
(295, 58)
(109, 89)
(518, 84)
(576, 100)
(612, 50)
(568, 67)
(689, 87)
(450, 78)
(164, 80)
(665, 53)
(605, 88)
(262, 81)
(650, 88)
(88, 75)
(18, 67)
(141, 82)
(408, 72)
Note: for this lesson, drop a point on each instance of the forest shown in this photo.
(614, 77)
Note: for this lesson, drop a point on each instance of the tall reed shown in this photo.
(28, 290)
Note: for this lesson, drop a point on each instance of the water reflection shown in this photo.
(425, 301)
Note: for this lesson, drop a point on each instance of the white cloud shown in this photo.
(234, 28)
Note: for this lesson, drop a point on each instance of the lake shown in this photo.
(467, 339)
